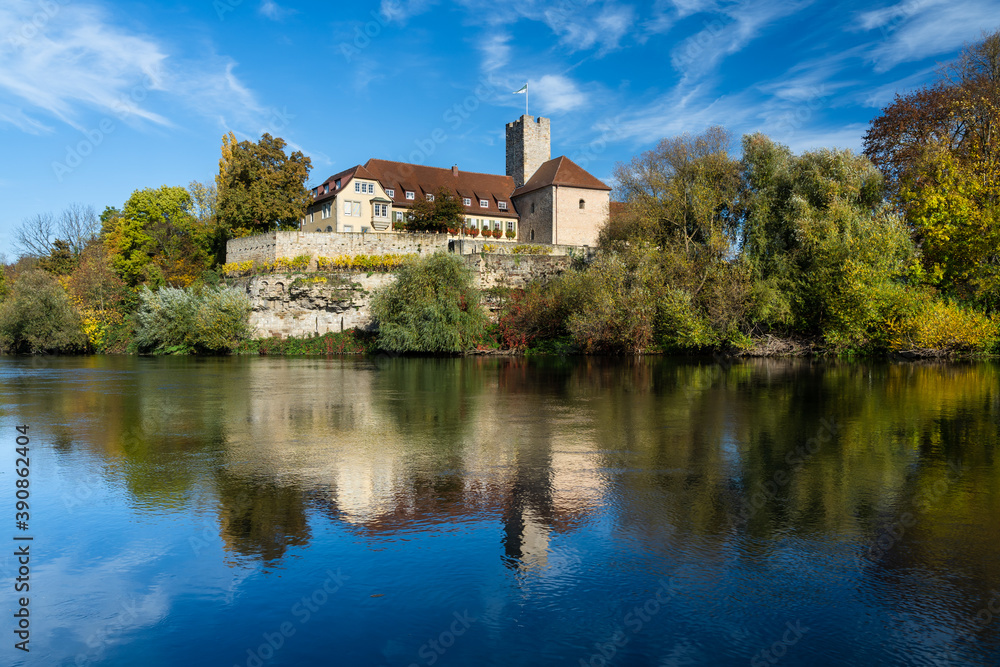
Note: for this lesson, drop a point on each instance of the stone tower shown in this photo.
(528, 146)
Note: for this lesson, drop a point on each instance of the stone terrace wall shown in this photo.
(515, 271)
(259, 248)
(269, 247)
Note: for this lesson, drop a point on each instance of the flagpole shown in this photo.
(526, 99)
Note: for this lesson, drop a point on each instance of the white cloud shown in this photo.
(736, 26)
(400, 11)
(496, 51)
(77, 61)
(273, 10)
(74, 59)
(556, 93)
(919, 29)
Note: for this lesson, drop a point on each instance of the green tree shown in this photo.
(431, 307)
(156, 239)
(684, 193)
(183, 321)
(261, 189)
(444, 211)
(38, 317)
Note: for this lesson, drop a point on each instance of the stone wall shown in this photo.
(529, 145)
(269, 247)
(306, 303)
(300, 305)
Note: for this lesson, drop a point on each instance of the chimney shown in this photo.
(454, 170)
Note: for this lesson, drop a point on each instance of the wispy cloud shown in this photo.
(556, 93)
(917, 29)
(274, 11)
(74, 59)
(400, 11)
(736, 26)
(496, 52)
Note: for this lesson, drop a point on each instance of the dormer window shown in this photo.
(391, 192)
(337, 184)
(410, 195)
(326, 188)
(484, 203)
(430, 197)
(467, 201)
(502, 205)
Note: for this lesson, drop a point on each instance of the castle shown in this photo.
(539, 200)
(552, 205)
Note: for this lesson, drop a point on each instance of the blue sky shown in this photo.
(98, 99)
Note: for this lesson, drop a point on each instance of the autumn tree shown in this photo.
(260, 188)
(939, 149)
(682, 193)
(76, 226)
(156, 240)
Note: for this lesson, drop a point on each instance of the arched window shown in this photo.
(583, 204)
(532, 207)
(329, 228)
(318, 229)
(532, 234)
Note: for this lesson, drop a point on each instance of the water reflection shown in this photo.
(882, 477)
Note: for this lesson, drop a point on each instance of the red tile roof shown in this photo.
(422, 180)
(560, 171)
(344, 177)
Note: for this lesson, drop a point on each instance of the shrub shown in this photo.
(369, 263)
(537, 314)
(431, 307)
(184, 321)
(38, 317)
(532, 249)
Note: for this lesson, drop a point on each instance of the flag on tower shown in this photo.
(524, 89)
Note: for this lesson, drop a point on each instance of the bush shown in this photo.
(537, 314)
(431, 307)
(39, 317)
(185, 321)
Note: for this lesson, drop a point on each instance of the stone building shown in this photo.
(539, 200)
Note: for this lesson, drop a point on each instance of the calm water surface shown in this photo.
(249, 512)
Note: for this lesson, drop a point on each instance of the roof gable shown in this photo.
(401, 177)
(561, 171)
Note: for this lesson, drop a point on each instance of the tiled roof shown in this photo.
(560, 171)
(421, 180)
(344, 177)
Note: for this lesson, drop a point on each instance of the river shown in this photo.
(495, 511)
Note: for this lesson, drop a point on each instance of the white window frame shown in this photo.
(326, 212)
(347, 207)
(430, 197)
(484, 203)
(355, 209)
(510, 225)
(502, 205)
(391, 192)
(358, 185)
(398, 217)
(467, 201)
(348, 228)
(410, 195)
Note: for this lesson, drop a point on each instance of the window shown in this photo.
(532, 235)
(337, 184)
(510, 225)
(356, 209)
(326, 188)
(318, 229)
(532, 207)
(430, 197)
(365, 230)
(381, 210)
(328, 228)
(399, 216)
(583, 204)
(502, 205)
(348, 228)
(467, 201)
(326, 212)
(358, 185)
(483, 203)
(310, 217)
(391, 192)
(409, 195)
(371, 188)
(347, 207)
(475, 224)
